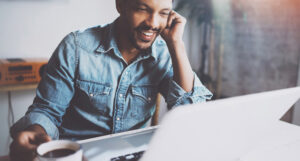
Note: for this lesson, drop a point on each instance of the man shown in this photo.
(105, 79)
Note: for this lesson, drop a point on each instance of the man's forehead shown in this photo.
(154, 3)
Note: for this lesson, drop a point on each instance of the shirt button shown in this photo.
(91, 95)
(121, 95)
(118, 118)
(149, 98)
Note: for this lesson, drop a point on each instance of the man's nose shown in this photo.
(153, 21)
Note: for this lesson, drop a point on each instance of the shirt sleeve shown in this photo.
(175, 95)
(54, 93)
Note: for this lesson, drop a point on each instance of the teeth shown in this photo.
(148, 33)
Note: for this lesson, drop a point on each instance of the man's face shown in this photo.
(143, 20)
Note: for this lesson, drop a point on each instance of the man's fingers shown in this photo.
(42, 139)
(19, 146)
(25, 140)
(22, 152)
(170, 19)
(174, 18)
(24, 145)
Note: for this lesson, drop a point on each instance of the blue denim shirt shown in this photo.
(89, 90)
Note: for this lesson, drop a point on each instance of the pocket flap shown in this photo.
(94, 88)
(146, 92)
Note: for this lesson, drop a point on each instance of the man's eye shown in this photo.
(141, 9)
(165, 13)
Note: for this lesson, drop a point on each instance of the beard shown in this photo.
(138, 42)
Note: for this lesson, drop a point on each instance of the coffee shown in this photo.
(59, 150)
(59, 153)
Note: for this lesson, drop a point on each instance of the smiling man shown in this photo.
(105, 79)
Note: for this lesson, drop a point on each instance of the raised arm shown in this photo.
(183, 74)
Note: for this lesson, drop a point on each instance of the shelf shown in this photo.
(6, 88)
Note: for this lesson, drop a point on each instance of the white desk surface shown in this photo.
(282, 145)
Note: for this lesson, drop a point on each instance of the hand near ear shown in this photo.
(175, 28)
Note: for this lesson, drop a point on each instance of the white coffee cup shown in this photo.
(58, 145)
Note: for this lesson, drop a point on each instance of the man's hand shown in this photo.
(175, 27)
(25, 143)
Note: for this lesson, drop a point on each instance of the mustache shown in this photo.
(145, 27)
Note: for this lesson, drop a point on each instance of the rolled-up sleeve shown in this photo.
(54, 93)
(36, 119)
(176, 96)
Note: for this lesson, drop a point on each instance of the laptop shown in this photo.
(242, 128)
(120, 145)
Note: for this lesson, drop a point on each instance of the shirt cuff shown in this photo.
(38, 119)
(178, 96)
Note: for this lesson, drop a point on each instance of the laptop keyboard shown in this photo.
(129, 157)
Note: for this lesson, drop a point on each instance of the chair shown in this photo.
(155, 117)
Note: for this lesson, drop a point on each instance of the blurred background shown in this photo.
(236, 47)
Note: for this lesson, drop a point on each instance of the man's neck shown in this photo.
(127, 50)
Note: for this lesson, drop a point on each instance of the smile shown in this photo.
(146, 36)
(148, 33)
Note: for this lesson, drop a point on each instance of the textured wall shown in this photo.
(262, 48)
(261, 40)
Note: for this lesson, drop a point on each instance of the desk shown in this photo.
(6, 158)
(278, 147)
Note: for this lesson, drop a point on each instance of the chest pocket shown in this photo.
(95, 96)
(143, 101)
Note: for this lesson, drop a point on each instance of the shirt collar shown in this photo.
(110, 43)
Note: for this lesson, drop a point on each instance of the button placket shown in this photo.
(120, 104)
(121, 94)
